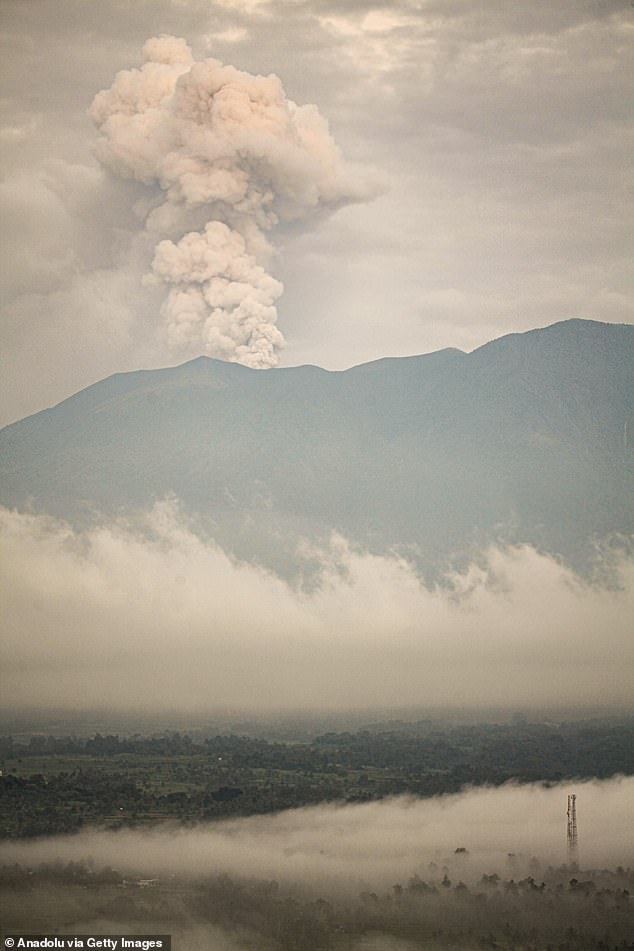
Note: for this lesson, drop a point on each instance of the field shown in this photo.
(133, 784)
(61, 784)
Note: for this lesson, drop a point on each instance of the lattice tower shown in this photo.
(572, 837)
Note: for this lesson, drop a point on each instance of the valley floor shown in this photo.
(51, 785)
(554, 910)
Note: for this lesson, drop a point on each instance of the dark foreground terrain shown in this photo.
(53, 785)
(57, 784)
(548, 910)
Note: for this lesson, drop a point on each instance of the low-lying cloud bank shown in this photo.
(335, 847)
(155, 617)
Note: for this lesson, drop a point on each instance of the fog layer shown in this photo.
(372, 844)
(156, 617)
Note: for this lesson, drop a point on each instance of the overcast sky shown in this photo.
(490, 142)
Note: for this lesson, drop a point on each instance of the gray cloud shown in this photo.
(154, 615)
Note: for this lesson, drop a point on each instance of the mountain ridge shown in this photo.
(203, 360)
(520, 440)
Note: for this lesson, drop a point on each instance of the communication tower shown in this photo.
(571, 836)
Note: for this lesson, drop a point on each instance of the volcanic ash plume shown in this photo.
(227, 158)
(221, 294)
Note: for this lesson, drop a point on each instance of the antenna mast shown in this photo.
(572, 837)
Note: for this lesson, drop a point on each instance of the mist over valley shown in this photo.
(261, 551)
(316, 489)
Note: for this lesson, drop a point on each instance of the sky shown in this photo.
(452, 171)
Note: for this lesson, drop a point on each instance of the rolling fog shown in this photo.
(331, 849)
(150, 616)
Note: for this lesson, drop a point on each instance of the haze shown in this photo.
(300, 184)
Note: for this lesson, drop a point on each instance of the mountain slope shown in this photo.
(522, 439)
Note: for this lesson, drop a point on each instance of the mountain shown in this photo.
(524, 439)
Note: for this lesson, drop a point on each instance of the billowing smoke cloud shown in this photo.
(157, 617)
(221, 293)
(227, 158)
(340, 847)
